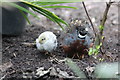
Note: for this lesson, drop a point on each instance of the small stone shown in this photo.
(114, 22)
(93, 20)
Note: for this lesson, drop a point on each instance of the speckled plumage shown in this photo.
(77, 41)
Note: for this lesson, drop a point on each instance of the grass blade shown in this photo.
(59, 7)
(46, 3)
(57, 0)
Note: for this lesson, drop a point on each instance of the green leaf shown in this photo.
(101, 27)
(97, 47)
(46, 3)
(23, 9)
(59, 7)
(57, 0)
(101, 59)
(75, 68)
(46, 12)
(101, 44)
(90, 51)
(96, 51)
(93, 51)
(49, 17)
(25, 16)
(42, 14)
(103, 37)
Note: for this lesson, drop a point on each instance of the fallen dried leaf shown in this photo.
(53, 72)
(41, 71)
(5, 66)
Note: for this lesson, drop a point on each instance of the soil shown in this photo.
(22, 59)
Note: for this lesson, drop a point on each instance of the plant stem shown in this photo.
(105, 16)
(103, 23)
(89, 18)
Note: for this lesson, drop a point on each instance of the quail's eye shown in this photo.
(43, 39)
(83, 29)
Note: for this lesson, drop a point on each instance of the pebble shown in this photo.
(93, 20)
(114, 22)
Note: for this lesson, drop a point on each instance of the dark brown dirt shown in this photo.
(28, 59)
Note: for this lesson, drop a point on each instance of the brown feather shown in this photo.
(75, 48)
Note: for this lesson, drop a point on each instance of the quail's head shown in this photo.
(81, 27)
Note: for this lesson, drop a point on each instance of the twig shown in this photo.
(105, 16)
(9, 73)
(3, 77)
(103, 22)
(89, 18)
(28, 44)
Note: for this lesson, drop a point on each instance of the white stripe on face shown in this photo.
(80, 36)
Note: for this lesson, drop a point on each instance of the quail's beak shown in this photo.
(40, 41)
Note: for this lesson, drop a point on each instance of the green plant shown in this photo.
(39, 6)
(99, 38)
